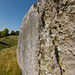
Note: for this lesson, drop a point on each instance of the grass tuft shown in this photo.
(8, 62)
(8, 58)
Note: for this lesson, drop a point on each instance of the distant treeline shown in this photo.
(6, 33)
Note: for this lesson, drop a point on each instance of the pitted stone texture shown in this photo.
(47, 39)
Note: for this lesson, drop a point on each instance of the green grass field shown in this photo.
(8, 58)
(7, 42)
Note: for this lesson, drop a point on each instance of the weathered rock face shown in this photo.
(46, 43)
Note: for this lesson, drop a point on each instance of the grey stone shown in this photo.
(28, 43)
(46, 43)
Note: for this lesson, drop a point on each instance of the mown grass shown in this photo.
(8, 62)
(7, 42)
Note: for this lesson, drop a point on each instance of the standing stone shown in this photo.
(46, 44)
(28, 43)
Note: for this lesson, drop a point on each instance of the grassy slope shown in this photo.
(7, 42)
(8, 60)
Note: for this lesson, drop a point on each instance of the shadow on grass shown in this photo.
(3, 43)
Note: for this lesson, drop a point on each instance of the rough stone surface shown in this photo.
(46, 43)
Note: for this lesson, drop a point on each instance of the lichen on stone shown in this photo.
(47, 39)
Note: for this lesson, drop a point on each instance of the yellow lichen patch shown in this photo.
(42, 41)
(60, 12)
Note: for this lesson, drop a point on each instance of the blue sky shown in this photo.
(12, 13)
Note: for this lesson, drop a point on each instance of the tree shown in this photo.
(12, 33)
(17, 32)
(5, 33)
(0, 33)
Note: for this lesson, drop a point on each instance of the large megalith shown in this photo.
(28, 42)
(46, 44)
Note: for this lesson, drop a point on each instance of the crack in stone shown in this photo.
(57, 2)
(57, 55)
(43, 14)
